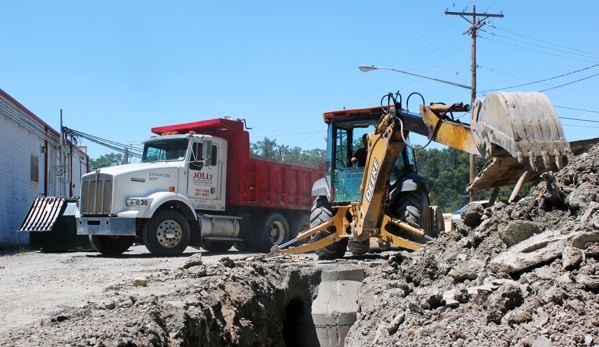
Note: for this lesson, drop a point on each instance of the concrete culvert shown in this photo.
(298, 327)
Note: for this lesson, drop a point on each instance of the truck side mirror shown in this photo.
(207, 152)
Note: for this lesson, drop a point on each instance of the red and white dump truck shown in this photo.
(197, 185)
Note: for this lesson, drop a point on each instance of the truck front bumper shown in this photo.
(114, 226)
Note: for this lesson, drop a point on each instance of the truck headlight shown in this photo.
(132, 202)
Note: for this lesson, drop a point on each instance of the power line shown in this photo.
(536, 50)
(575, 109)
(579, 126)
(550, 43)
(593, 56)
(519, 77)
(580, 120)
(544, 80)
(582, 79)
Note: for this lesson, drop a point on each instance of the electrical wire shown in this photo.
(582, 79)
(580, 120)
(536, 50)
(540, 81)
(532, 44)
(575, 109)
(550, 43)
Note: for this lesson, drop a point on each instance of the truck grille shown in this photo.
(96, 195)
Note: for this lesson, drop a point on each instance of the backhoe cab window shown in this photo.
(347, 175)
(165, 150)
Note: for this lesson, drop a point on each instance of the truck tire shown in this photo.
(271, 229)
(322, 212)
(358, 247)
(438, 222)
(166, 234)
(111, 245)
(413, 208)
(217, 246)
(241, 246)
(300, 224)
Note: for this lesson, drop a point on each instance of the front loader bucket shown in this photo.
(520, 125)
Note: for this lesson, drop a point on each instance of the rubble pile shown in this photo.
(523, 274)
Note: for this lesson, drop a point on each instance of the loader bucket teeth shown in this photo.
(525, 125)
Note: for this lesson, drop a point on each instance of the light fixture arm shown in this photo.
(366, 68)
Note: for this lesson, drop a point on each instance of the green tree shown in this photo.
(446, 173)
(270, 149)
(106, 160)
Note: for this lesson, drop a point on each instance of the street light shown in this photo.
(366, 68)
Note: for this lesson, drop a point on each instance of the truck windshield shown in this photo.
(165, 150)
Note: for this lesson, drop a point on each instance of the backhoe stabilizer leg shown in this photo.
(307, 233)
(338, 221)
(399, 241)
(414, 231)
(305, 248)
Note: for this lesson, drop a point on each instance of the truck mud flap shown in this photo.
(51, 224)
(43, 214)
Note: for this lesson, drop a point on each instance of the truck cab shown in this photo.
(196, 185)
(154, 202)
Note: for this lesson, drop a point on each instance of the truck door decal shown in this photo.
(203, 180)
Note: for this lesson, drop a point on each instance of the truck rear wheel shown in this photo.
(322, 212)
(166, 234)
(300, 224)
(271, 229)
(413, 208)
(111, 245)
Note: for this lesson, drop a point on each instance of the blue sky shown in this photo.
(118, 68)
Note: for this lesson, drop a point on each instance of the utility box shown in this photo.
(51, 226)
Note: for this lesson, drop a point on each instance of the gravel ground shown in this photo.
(37, 286)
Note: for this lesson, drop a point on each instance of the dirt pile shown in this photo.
(523, 274)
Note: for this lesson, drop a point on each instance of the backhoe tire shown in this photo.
(322, 212)
(217, 246)
(111, 245)
(413, 208)
(358, 247)
(166, 234)
(271, 229)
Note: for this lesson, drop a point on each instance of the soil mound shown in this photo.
(525, 274)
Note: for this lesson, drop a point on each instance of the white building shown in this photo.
(32, 163)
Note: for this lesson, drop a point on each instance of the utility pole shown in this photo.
(475, 24)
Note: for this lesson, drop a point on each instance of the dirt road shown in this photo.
(37, 286)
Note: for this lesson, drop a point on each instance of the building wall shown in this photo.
(31, 165)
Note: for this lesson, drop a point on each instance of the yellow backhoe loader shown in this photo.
(383, 198)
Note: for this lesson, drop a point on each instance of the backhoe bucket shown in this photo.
(520, 125)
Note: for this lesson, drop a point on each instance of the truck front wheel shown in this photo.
(111, 245)
(166, 234)
(271, 229)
